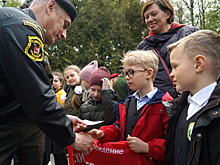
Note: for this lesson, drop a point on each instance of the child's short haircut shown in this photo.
(73, 67)
(203, 42)
(60, 76)
(147, 59)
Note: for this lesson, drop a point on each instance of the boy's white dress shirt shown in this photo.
(199, 100)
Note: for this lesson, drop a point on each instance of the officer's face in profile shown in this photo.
(57, 24)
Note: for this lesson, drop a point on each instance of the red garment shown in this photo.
(151, 128)
(111, 153)
(114, 75)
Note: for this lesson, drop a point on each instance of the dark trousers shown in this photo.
(26, 140)
(58, 152)
(59, 159)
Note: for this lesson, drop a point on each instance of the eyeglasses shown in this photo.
(130, 73)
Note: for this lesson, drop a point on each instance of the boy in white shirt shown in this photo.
(193, 131)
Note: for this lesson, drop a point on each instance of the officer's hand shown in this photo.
(83, 143)
(96, 134)
(78, 124)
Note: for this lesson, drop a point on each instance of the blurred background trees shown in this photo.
(204, 14)
(106, 29)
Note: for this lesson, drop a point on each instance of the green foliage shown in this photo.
(103, 30)
(106, 29)
(213, 17)
(203, 14)
(11, 3)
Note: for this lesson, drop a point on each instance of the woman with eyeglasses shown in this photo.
(158, 15)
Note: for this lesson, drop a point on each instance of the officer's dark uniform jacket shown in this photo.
(204, 147)
(25, 90)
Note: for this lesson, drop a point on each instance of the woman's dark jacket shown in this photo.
(159, 43)
(205, 138)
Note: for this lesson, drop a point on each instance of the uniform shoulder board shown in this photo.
(34, 26)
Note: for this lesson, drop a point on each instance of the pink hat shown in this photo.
(87, 71)
(99, 74)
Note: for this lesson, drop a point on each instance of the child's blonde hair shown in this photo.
(203, 42)
(73, 67)
(147, 59)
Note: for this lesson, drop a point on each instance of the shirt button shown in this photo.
(199, 135)
(179, 150)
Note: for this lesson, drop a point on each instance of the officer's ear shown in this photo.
(51, 6)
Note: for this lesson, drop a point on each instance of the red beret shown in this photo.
(114, 75)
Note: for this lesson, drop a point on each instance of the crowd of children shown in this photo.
(186, 134)
(163, 104)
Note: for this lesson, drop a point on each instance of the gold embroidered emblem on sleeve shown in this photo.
(35, 48)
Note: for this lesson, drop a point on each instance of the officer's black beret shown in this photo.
(68, 7)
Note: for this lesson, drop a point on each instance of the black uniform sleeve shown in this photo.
(22, 72)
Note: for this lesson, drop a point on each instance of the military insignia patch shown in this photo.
(190, 130)
(35, 48)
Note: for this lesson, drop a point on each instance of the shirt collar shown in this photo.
(147, 96)
(203, 95)
(29, 12)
